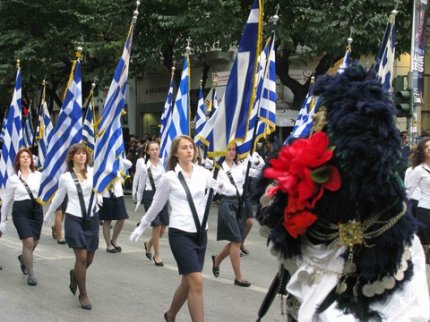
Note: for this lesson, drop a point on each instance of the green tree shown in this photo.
(44, 34)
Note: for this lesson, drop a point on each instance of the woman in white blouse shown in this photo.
(81, 225)
(232, 214)
(27, 214)
(187, 248)
(419, 178)
(149, 180)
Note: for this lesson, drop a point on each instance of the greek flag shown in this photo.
(110, 143)
(166, 119)
(346, 60)
(304, 123)
(201, 113)
(44, 132)
(264, 111)
(88, 136)
(179, 122)
(67, 131)
(28, 130)
(384, 64)
(3, 126)
(12, 140)
(229, 123)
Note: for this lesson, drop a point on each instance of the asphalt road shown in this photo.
(127, 286)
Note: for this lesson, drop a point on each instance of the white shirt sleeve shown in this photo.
(59, 196)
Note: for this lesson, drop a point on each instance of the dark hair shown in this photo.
(173, 160)
(16, 165)
(418, 156)
(146, 149)
(75, 148)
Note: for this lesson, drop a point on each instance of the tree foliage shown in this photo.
(44, 34)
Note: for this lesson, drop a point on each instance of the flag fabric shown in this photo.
(28, 130)
(179, 122)
(346, 59)
(3, 125)
(229, 123)
(109, 144)
(384, 64)
(44, 132)
(12, 139)
(67, 131)
(304, 122)
(88, 136)
(166, 119)
(201, 113)
(264, 111)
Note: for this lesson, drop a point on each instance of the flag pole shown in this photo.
(274, 20)
(39, 111)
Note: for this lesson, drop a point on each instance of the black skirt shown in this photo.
(189, 255)
(230, 222)
(423, 216)
(162, 218)
(27, 217)
(80, 233)
(113, 209)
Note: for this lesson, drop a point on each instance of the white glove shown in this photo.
(99, 200)
(135, 196)
(214, 184)
(255, 158)
(137, 232)
(208, 164)
(137, 207)
(2, 226)
(47, 219)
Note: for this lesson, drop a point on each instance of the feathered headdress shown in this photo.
(340, 188)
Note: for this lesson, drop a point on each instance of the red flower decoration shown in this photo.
(302, 173)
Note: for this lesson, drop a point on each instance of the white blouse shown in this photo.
(170, 189)
(16, 191)
(157, 171)
(238, 172)
(419, 178)
(66, 186)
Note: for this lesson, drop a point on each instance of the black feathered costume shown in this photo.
(337, 211)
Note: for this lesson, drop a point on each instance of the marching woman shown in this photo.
(113, 208)
(231, 214)
(184, 186)
(27, 214)
(149, 179)
(80, 225)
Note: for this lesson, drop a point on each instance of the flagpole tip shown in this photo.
(93, 85)
(349, 40)
(394, 12)
(18, 62)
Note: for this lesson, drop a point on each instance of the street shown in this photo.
(127, 286)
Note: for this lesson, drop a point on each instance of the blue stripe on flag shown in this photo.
(67, 131)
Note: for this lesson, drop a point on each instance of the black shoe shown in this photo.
(215, 269)
(85, 306)
(147, 254)
(157, 263)
(73, 285)
(54, 235)
(243, 283)
(22, 265)
(112, 251)
(244, 250)
(117, 248)
(61, 241)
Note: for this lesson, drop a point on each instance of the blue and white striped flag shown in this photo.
(180, 120)
(44, 131)
(384, 64)
(229, 123)
(109, 142)
(67, 131)
(346, 58)
(88, 136)
(166, 119)
(12, 140)
(3, 125)
(28, 130)
(201, 113)
(264, 111)
(304, 122)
